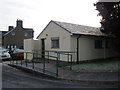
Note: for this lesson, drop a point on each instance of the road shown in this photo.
(14, 78)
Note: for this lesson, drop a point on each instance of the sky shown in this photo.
(37, 14)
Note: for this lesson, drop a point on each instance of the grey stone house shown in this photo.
(0, 38)
(1, 34)
(15, 36)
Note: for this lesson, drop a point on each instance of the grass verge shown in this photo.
(109, 65)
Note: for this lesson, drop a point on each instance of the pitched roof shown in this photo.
(3, 32)
(8, 32)
(29, 29)
(80, 29)
(25, 29)
(77, 29)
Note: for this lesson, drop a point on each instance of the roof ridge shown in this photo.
(8, 32)
(73, 24)
(28, 28)
(79, 29)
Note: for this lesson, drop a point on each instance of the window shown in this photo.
(98, 44)
(13, 33)
(55, 42)
(25, 34)
(106, 44)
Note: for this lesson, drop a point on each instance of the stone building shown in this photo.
(16, 35)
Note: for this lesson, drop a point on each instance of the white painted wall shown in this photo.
(87, 50)
(68, 42)
(0, 39)
(36, 46)
(29, 46)
(54, 30)
(73, 46)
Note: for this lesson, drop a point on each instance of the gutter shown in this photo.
(78, 49)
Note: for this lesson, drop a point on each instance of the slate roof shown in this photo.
(28, 30)
(80, 29)
(3, 32)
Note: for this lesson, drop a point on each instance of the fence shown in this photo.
(45, 64)
(68, 54)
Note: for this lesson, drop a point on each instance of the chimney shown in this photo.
(19, 23)
(10, 28)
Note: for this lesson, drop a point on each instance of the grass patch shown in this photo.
(98, 66)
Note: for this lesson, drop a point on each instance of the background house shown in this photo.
(0, 39)
(88, 42)
(15, 36)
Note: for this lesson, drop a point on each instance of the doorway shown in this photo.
(43, 47)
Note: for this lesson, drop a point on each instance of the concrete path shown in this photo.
(64, 73)
(16, 79)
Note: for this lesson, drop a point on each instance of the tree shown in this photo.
(110, 23)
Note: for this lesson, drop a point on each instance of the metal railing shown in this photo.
(43, 61)
(59, 53)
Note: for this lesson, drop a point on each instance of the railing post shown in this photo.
(13, 61)
(10, 60)
(57, 66)
(68, 57)
(16, 62)
(26, 59)
(43, 65)
(48, 56)
(21, 62)
(59, 60)
(33, 61)
(71, 63)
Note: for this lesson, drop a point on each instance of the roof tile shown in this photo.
(80, 29)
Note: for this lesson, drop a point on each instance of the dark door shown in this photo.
(43, 47)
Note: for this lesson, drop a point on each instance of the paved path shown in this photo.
(14, 78)
(72, 75)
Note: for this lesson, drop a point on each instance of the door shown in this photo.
(43, 47)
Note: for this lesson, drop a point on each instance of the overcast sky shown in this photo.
(36, 14)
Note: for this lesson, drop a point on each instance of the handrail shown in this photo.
(56, 51)
(33, 64)
(36, 53)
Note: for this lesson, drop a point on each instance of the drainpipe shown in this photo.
(104, 48)
(78, 49)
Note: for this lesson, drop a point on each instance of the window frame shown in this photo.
(55, 44)
(98, 44)
(107, 44)
(25, 34)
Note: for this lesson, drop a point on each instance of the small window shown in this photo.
(98, 44)
(106, 44)
(26, 34)
(55, 42)
(13, 33)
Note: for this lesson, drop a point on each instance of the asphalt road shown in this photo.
(14, 78)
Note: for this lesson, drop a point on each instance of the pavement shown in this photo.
(14, 79)
(66, 73)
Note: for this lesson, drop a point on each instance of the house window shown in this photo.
(106, 44)
(98, 44)
(26, 34)
(55, 42)
(13, 34)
